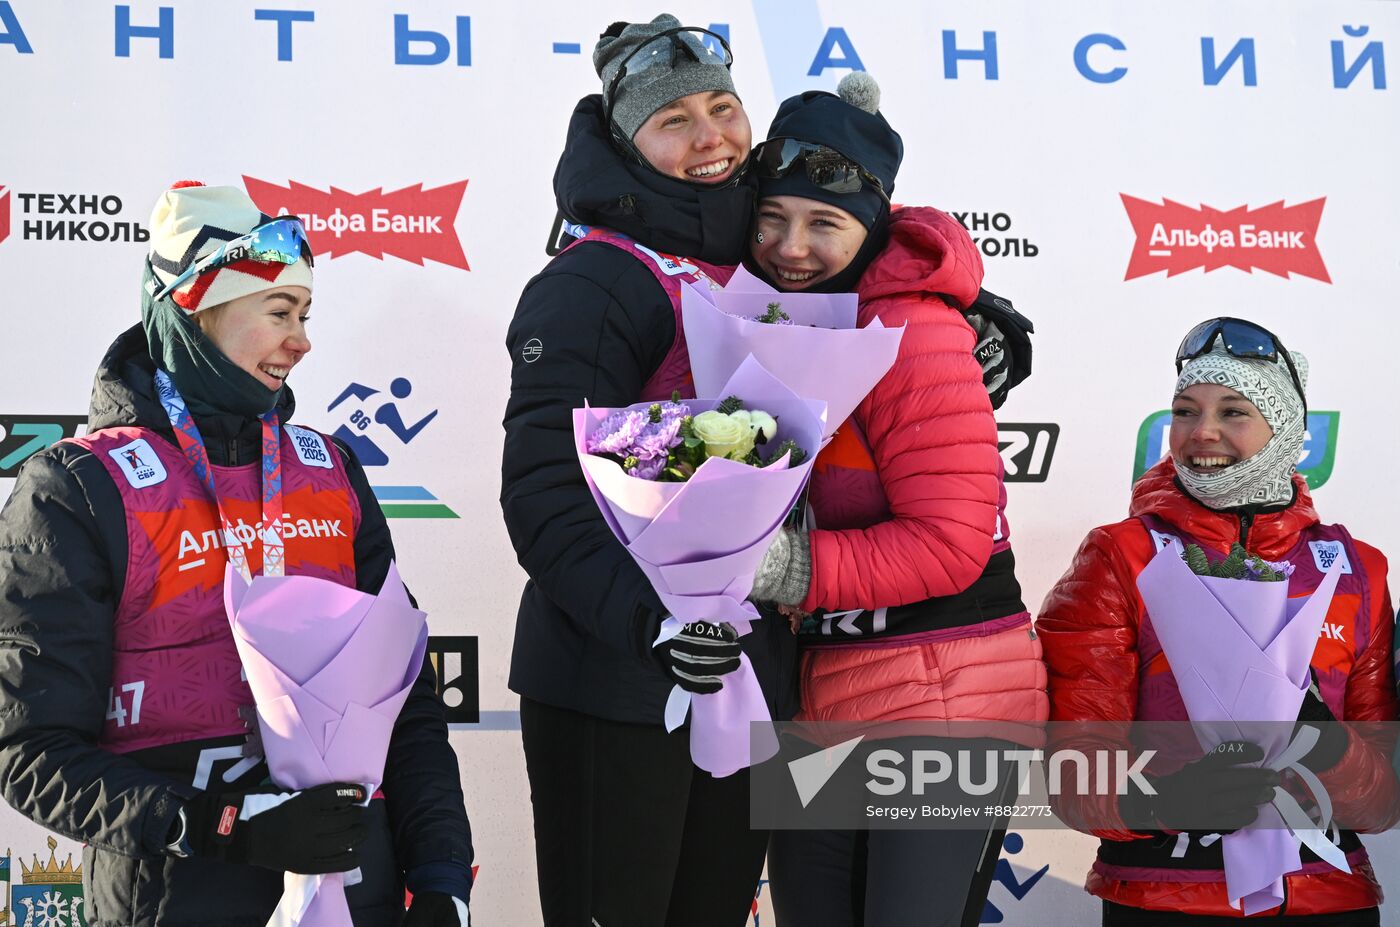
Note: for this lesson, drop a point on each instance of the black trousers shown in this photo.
(628, 832)
(878, 878)
(889, 878)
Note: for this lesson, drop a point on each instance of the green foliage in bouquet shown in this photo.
(730, 405)
(687, 456)
(784, 447)
(1239, 564)
(775, 315)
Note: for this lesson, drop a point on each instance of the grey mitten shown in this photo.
(990, 353)
(786, 570)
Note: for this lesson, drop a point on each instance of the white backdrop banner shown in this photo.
(1128, 169)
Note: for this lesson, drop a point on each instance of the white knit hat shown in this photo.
(1267, 477)
(191, 221)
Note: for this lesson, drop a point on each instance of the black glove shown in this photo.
(311, 831)
(1333, 738)
(435, 909)
(700, 655)
(1212, 793)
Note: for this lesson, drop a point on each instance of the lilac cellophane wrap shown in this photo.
(700, 542)
(329, 667)
(1239, 651)
(823, 355)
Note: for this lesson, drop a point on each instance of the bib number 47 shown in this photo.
(117, 710)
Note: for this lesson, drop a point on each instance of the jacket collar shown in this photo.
(928, 252)
(1273, 530)
(124, 393)
(595, 184)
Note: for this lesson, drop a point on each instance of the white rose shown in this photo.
(724, 436)
(744, 418)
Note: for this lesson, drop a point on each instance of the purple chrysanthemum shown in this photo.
(616, 433)
(648, 469)
(657, 439)
(677, 410)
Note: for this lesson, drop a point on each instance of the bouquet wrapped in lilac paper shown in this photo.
(1239, 649)
(810, 341)
(698, 517)
(330, 667)
(666, 442)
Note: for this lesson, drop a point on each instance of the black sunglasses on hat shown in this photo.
(827, 169)
(670, 41)
(1243, 339)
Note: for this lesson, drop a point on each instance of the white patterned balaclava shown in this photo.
(1267, 477)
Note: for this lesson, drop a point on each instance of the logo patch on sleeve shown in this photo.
(311, 447)
(1325, 553)
(139, 463)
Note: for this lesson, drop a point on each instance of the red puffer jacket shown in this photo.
(907, 502)
(1106, 665)
(929, 428)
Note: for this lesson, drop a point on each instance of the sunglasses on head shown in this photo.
(281, 241)
(827, 169)
(1242, 339)
(661, 52)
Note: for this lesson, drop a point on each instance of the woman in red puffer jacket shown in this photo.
(917, 612)
(1237, 431)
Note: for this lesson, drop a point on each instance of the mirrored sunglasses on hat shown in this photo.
(661, 52)
(1242, 339)
(827, 169)
(281, 241)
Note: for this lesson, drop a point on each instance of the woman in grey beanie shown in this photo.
(628, 831)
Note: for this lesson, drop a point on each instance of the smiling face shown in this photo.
(263, 333)
(1214, 427)
(804, 241)
(702, 138)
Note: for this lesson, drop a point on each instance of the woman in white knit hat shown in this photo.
(124, 719)
(1239, 416)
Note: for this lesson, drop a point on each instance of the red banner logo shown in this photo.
(4, 214)
(413, 224)
(1277, 239)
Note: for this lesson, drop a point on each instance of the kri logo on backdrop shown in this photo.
(23, 436)
(1026, 450)
(1278, 239)
(374, 425)
(413, 223)
(4, 212)
(1319, 445)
